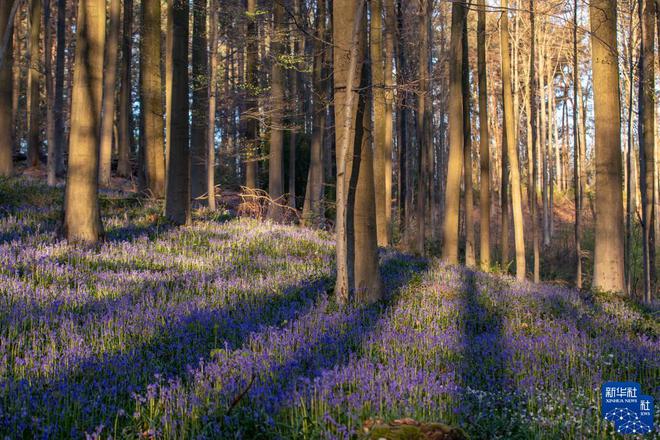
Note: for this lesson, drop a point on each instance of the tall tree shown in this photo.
(380, 148)
(455, 163)
(276, 159)
(512, 149)
(576, 156)
(125, 113)
(252, 85)
(647, 142)
(608, 254)
(213, 90)
(151, 99)
(312, 209)
(358, 278)
(177, 202)
(6, 85)
(200, 104)
(534, 159)
(34, 84)
(56, 155)
(390, 34)
(470, 257)
(484, 141)
(109, 83)
(82, 219)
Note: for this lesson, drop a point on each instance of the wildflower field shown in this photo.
(228, 329)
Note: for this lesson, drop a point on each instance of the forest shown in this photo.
(329, 219)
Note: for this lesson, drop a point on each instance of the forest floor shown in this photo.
(228, 329)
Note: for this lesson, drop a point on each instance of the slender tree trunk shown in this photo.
(380, 149)
(312, 210)
(125, 137)
(470, 257)
(82, 219)
(484, 141)
(34, 85)
(504, 203)
(629, 181)
(6, 85)
(533, 188)
(200, 104)
(455, 163)
(252, 83)
(169, 36)
(357, 258)
(608, 255)
(276, 159)
(647, 142)
(512, 152)
(50, 118)
(151, 97)
(177, 203)
(576, 155)
(296, 109)
(57, 163)
(213, 86)
(390, 31)
(109, 83)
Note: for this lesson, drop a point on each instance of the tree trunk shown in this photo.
(295, 108)
(358, 278)
(608, 255)
(576, 155)
(647, 143)
(151, 97)
(109, 83)
(213, 86)
(276, 159)
(380, 149)
(390, 31)
(177, 203)
(312, 210)
(455, 163)
(200, 104)
(512, 151)
(82, 219)
(470, 258)
(125, 138)
(34, 85)
(252, 84)
(484, 142)
(533, 188)
(6, 85)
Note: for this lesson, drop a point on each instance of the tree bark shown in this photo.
(358, 278)
(177, 203)
(608, 254)
(252, 83)
(34, 85)
(6, 85)
(82, 219)
(151, 98)
(276, 159)
(200, 104)
(512, 152)
(125, 137)
(533, 188)
(455, 162)
(484, 141)
(470, 257)
(109, 83)
(576, 155)
(213, 90)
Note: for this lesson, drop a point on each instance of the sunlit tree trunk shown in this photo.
(576, 155)
(470, 257)
(200, 104)
(608, 254)
(647, 143)
(533, 188)
(455, 162)
(125, 113)
(512, 151)
(34, 84)
(109, 80)
(6, 85)
(358, 278)
(276, 159)
(177, 203)
(151, 99)
(213, 90)
(484, 141)
(296, 107)
(390, 33)
(82, 219)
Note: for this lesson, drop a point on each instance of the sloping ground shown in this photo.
(226, 329)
